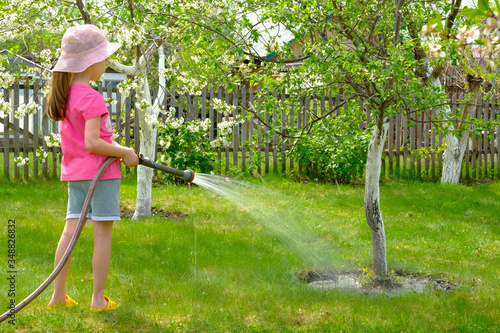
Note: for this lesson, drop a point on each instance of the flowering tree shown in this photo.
(454, 45)
(374, 53)
(145, 42)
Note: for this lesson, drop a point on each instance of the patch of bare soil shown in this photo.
(154, 212)
(399, 283)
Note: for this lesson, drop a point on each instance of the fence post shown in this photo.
(299, 126)
(204, 103)
(226, 150)
(26, 128)
(266, 142)
(36, 99)
(275, 136)
(486, 112)
(412, 146)
(128, 113)
(419, 118)
(390, 144)
(118, 123)
(404, 123)
(236, 128)
(494, 161)
(16, 129)
(6, 137)
(244, 129)
(497, 136)
(479, 142)
(291, 122)
(211, 115)
(425, 118)
(283, 125)
(137, 119)
(259, 133)
(432, 173)
(45, 132)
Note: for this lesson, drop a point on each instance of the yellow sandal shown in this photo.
(111, 305)
(69, 303)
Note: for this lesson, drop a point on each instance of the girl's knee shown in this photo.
(103, 228)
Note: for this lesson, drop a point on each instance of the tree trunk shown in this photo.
(372, 195)
(452, 158)
(148, 139)
(455, 147)
(147, 148)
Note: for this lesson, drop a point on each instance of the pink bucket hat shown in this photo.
(83, 46)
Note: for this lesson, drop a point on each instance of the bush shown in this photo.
(334, 150)
(187, 145)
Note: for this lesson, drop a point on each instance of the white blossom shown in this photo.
(21, 161)
(436, 49)
(6, 80)
(226, 127)
(221, 107)
(219, 142)
(4, 107)
(193, 128)
(468, 36)
(164, 159)
(110, 101)
(132, 37)
(46, 91)
(427, 30)
(205, 125)
(152, 120)
(54, 140)
(177, 123)
(165, 142)
(25, 109)
(41, 155)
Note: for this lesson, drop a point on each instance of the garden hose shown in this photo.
(187, 175)
(69, 249)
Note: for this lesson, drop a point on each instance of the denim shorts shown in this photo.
(104, 205)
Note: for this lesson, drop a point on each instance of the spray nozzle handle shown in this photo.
(187, 175)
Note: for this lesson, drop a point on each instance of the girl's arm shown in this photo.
(95, 144)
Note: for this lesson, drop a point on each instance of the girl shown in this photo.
(86, 142)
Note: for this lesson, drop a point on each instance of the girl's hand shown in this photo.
(130, 159)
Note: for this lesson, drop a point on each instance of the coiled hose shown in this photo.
(72, 243)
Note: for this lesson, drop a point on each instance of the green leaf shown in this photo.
(483, 5)
(498, 5)
(437, 20)
(472, 13)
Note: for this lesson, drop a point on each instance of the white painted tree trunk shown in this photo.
(372, 197)
(148, 141)
(455, 147)
(147, 148)
(452, 158)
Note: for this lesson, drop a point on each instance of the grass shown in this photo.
(243, 278)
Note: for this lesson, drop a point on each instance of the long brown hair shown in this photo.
(59, 93)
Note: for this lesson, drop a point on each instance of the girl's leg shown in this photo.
(100, 262)
(59, 296)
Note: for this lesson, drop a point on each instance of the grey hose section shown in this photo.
(72, 243)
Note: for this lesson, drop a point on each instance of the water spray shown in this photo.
(187, 175)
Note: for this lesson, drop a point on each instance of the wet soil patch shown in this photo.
(399, 283)
(154, 212)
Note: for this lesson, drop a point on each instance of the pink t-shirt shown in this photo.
(78, 163)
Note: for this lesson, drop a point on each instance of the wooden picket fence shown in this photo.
(23, 137)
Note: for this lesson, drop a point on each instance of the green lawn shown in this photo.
(241, 276)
